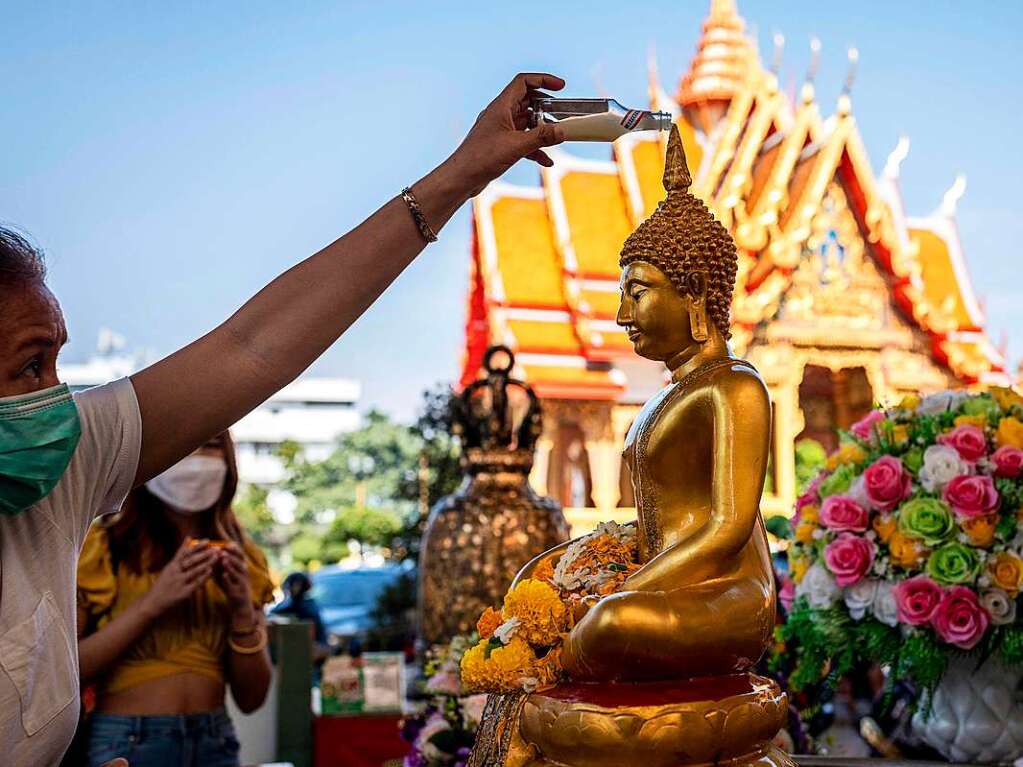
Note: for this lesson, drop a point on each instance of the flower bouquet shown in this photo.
(443, 732)
(520, 644)
(906, 549)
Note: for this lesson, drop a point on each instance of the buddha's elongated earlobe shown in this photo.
(696, 287)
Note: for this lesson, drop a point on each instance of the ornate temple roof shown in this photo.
(545, 259)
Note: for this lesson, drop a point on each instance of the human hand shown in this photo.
(232, 574)
(186, 572)
(499, 138)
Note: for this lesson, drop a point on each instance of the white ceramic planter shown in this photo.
(977, 714)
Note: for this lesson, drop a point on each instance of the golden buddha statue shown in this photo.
(658, 670)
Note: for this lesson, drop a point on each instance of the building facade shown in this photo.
(842, 299)
(310, 412)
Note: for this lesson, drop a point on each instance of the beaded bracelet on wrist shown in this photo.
(417, 215)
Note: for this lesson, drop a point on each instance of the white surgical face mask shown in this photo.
(192, 485)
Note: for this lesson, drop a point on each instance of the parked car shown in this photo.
(349, 602)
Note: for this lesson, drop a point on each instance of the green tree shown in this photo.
(253, 512)
(355, 493)
(810, 459)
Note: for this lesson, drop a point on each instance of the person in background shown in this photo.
(298, 604)
(67, 458)
(170, 592)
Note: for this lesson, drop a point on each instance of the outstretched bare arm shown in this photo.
(203, 388)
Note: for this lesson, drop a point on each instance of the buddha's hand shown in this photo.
(499, 138)
(580, 608)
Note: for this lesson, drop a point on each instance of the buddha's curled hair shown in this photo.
(682, 236)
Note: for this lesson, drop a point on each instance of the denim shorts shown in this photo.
(187, 740)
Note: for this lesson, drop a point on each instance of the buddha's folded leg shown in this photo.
(650, 635)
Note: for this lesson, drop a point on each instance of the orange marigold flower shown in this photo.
(544, 571)
(488, 622)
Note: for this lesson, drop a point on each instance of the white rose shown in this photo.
(940, 402)
(1000, 607)
(819, 587)
(859, 597)
(884, 608)
(858, 492)
(941, 465)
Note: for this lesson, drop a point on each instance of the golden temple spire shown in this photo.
(724, 58)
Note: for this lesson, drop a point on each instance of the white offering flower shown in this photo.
(472, 709)
(819, 587)
(999, 606)
(940, 402)
(858, 492)
(507, 630)
(859, 597)
(941, 465)
(436, 723)
(884, 607)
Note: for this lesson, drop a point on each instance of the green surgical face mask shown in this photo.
(38, 435)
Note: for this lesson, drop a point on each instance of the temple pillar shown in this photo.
(788, 423)
(604, 458)
(541, 462)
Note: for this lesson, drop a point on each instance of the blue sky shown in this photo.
(172, 158)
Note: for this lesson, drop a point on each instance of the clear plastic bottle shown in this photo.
(595, 119)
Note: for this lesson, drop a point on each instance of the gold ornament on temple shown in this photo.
(478, 537)
(658, 672)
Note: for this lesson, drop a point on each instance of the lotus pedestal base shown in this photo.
(727, 720)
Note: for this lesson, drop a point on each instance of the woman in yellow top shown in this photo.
(169, 598)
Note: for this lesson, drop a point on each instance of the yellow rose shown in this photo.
(980, 530)
(973, 420)
(884, 525)
(1010, 432)
(1007, 572)
(905, 552)
(848, 453)
(798, 567)
(805, 531)
(900, 433)
(1005, 397)
(809, 514)
(909, 402)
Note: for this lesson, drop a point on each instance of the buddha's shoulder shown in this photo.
(738, 380)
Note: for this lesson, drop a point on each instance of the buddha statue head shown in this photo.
(678, 271)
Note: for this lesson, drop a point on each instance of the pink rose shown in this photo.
(1008, 461)
(864, 428)
(959, 619)
(887, 483)
(916, 599)
(968, 440)
(849, 557)
(842, 514)
(787, 593)
(971, 495)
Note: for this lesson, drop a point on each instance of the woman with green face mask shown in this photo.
(65, 459)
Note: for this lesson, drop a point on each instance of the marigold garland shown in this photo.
(520, 646)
